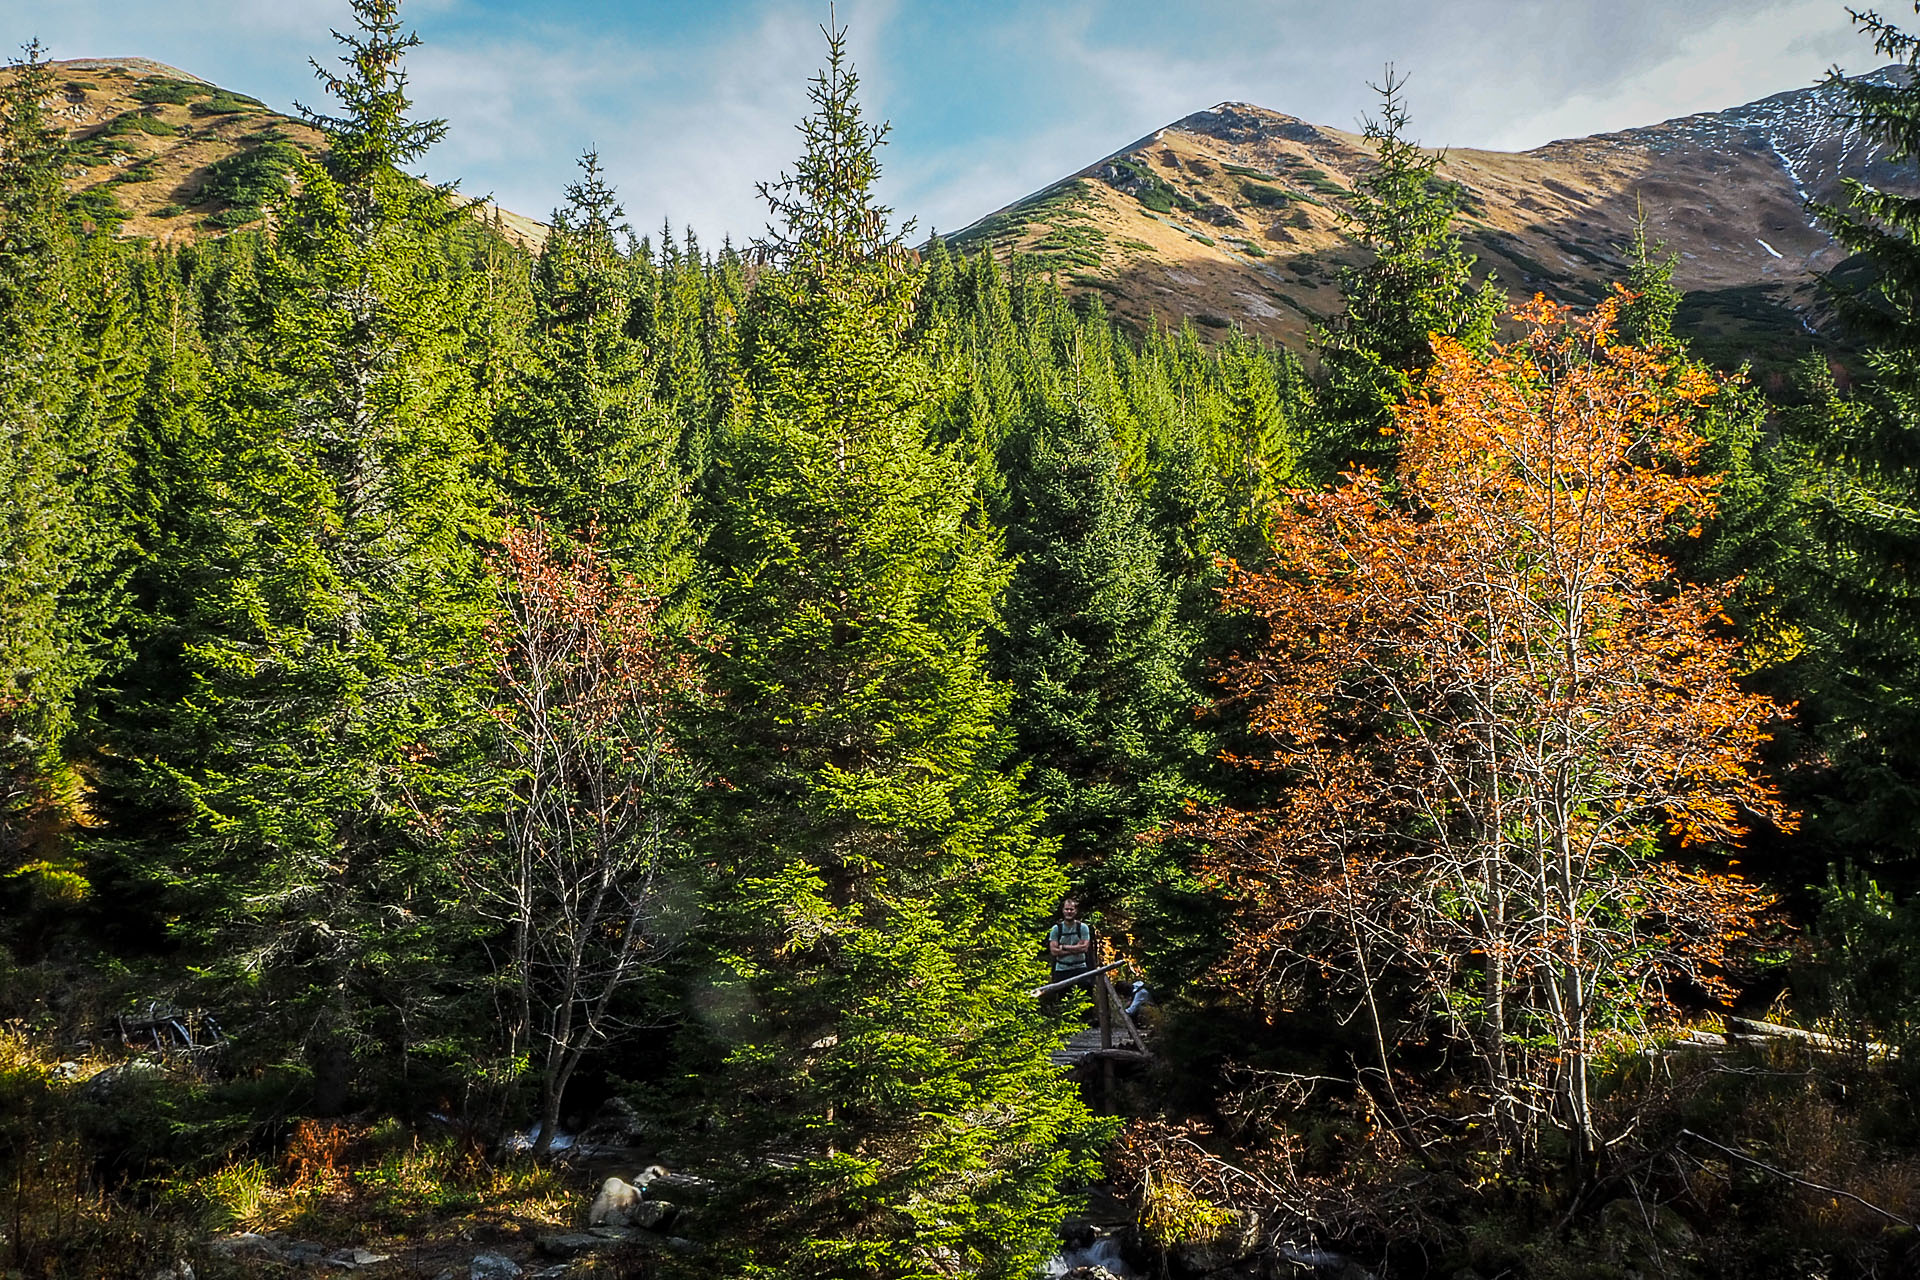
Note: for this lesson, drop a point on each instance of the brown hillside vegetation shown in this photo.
(160, 153)
(1231, 216)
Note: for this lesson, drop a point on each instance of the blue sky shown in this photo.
(690, 103)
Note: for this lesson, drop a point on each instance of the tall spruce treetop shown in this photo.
(33, 157)
(589, 445)
(333, 662)
(825, 216)
(1419, 283)
(1646, 318)
(844, 272)
(1859, 608)
(879, 891)
(374, 135)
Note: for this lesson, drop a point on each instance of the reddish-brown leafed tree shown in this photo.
(1486, 707)
(586, 682)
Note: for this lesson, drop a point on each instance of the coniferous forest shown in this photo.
(466, 708)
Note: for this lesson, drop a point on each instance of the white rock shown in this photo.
(615, 1204)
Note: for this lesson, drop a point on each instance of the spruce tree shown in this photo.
(1101, 663)
(588, 445)
(1418, 282)
(37, 357)
(1089, 640)
(325, 729)
(880, 892)
(66, 390)
(1855, 614)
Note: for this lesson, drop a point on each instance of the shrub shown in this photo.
(137, 122)
(1263, 195)
(145, 171)
(241, 1196)
(167, 89)
(100, 207)
(1319, 181)
(1172, 1213)
(226, 104)
(252, 178)
(1867, 957)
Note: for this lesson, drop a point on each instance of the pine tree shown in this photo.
(1417, 284)
(588, 445)
(326, 727)
(1855, 613)
(879, 891)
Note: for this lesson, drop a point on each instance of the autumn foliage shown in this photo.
(1487, 711)
(586, 683)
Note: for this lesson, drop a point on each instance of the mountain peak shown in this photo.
(1234, 215)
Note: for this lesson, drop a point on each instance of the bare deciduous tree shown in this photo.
(586, 682)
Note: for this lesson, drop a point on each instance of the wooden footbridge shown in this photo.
(1101, 1042)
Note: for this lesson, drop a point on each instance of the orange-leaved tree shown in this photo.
(1486, 708)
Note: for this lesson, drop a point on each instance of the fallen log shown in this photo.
(1754, 1028)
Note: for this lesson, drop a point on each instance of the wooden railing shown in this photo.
(1107, 1006)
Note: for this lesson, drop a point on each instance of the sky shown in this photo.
(690, 103)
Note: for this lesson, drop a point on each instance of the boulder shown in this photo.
(1239, 1240)
(571, 1244)
(243, 1242)
(653, 1215)
(353, 1259)
(493, 1266)
(615, 1204)
(105, 1086)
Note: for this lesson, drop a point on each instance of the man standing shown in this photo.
(1069, 943)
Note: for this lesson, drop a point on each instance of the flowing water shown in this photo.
(1104, 1251)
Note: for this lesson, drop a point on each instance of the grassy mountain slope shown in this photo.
(1232, 216)
(162, 154)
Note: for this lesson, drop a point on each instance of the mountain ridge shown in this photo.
(1231, 216)
(161, 153)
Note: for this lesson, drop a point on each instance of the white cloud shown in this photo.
(1740, 57)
